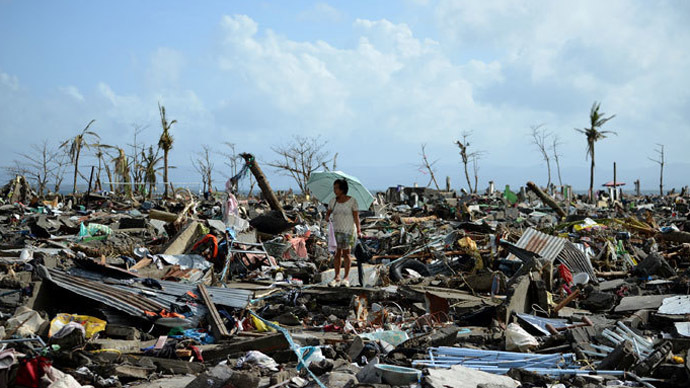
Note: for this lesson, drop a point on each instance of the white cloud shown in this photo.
(392, 80)
(495, 68)
(560, 58)
(73, 92)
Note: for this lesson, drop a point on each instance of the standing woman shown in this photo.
(345, 212)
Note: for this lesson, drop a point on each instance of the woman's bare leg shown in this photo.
(336, 263)
(347, 262)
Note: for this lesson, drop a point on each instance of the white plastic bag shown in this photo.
(518, 339)
(256, 358)
(332, 245)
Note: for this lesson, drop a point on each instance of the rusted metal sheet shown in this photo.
(548, 247)
(553, 248)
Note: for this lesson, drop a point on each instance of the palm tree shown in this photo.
(122, 169)
(102, 164)
(149, 168)
(165, 143)
(75, 145)
(594, 134)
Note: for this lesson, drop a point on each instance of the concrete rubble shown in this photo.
(536, 289)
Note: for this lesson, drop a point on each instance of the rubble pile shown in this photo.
(533, 288)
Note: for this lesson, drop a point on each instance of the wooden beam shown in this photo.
(217, 326)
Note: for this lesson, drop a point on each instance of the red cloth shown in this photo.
(565, 273)
(31, 370)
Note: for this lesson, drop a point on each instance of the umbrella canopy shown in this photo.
(321, 186)
(612, 184)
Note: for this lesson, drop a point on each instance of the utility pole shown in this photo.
(615, 183)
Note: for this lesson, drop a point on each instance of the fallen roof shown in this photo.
(137, 301)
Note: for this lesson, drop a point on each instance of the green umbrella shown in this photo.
(320, 185)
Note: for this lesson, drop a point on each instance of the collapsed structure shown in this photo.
(502, 289)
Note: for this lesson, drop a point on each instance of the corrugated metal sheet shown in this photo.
(555, 248)
(548, 247)
(134, 300)
(229, 297)
(577, 261)
(123, 300)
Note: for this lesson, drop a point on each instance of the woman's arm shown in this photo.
(328, 214)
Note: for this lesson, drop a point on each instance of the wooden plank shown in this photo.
(141, 264)
(217, 326)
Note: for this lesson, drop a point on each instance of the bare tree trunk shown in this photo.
(76, 170)
(467, 176)
(547, 199)
(661, 181)
(591, 177)
(476, 181)
(429, 168)
(110, 177)
(165, 173)
(558, 168)
(548, 168)
(251, 187)
(40, 185)
(475, 169)
(263, 183)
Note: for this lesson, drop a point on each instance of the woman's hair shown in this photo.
(342, 185)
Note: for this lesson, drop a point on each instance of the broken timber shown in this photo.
(263, 183)
(217, 326)
(546, 199)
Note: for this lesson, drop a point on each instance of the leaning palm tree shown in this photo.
(75, 145)
(594, 134)
(165, 143)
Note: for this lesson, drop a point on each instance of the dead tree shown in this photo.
(149, 165)
(464, 144)
(661, 161)
(165, 142)
(75, 146)
(325, 166)
(204, 166)
(61, 162)
(300, 158)
(122, 171)
(555, 143)
(429, 166)
(265, 187)
(540, 137)
(231, 159)
(475, 169)
(38, 166)
(137, 156)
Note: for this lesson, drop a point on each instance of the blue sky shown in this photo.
(374, 79)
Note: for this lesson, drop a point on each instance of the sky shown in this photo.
(374, 79)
